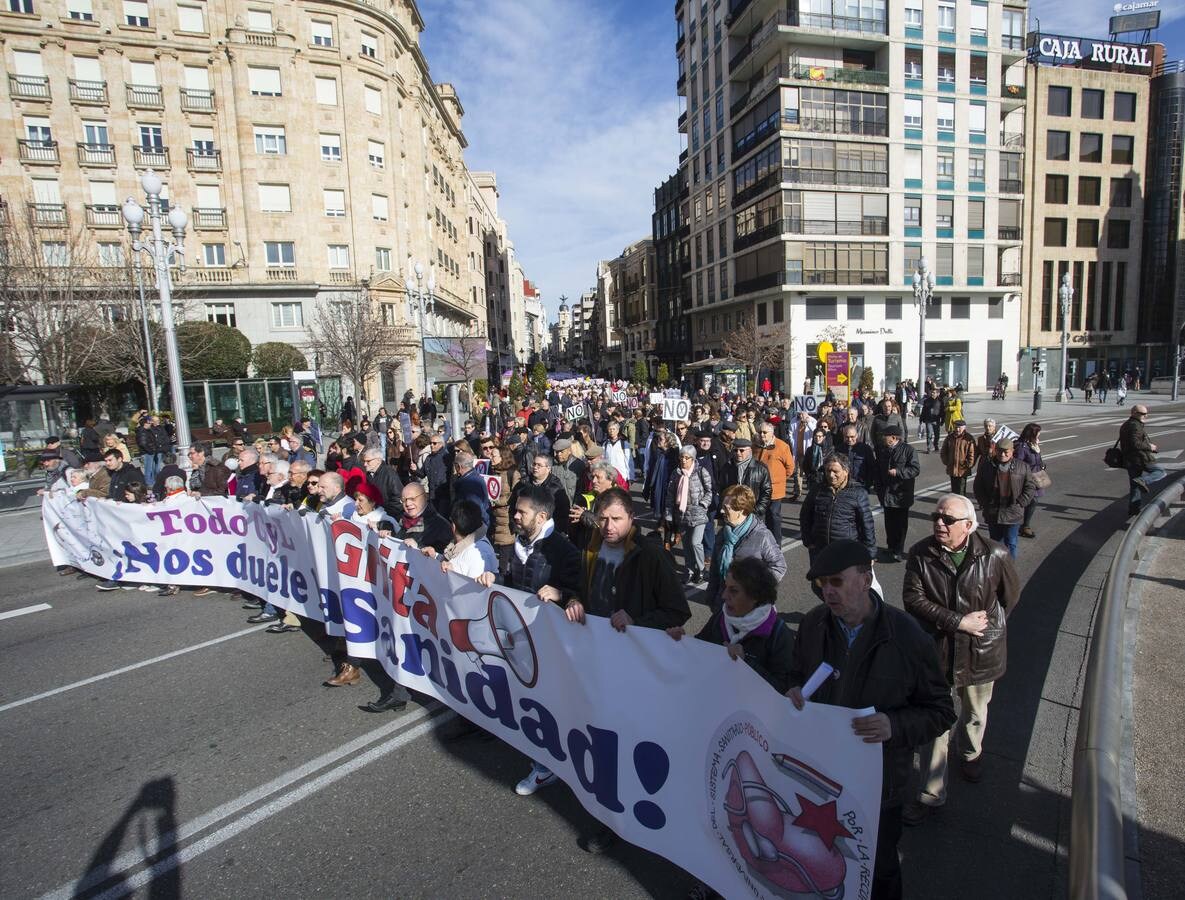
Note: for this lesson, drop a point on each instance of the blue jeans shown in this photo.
(151, 464)
(930, 434)
(1149, 475)
(1006, 535)
(710, 536)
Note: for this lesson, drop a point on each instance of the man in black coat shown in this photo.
(882, 659)
(897, 470)
(436, 468)
(384, 477)
(420, 522)
(123, 475)
(746, 470)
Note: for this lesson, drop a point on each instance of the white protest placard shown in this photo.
(493, 487)
(574, 412)
(751, 796)
(675, 409)
(656, 399)
(1003, 431)
(807, 403)
(618, 396)
(631, 402)
(481, 466)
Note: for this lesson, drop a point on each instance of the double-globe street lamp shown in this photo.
(923, 292)
(423, 302)
(160, 250)
(1065, 296)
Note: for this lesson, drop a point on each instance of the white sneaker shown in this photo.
(538, 777)
(149, 588)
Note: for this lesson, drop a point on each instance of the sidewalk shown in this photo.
(1158, 688)
(22, 538)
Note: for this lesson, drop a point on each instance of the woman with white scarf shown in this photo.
(748, 625)
(471, 553)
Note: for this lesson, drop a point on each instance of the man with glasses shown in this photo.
(1139, 455)
(775, 455)
(1003, 488)
(880, 659)
(436, 470)
(961, 589)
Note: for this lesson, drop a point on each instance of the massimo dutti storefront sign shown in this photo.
(1059, 50)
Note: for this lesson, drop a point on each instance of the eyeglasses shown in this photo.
(946, 520)
(836, 581)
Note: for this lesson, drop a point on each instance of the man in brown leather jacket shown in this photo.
(961, 588)
(958, 455)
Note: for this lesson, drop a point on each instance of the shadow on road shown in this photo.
(150, 821)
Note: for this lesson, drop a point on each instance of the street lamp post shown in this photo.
(160, 250)
(923, 291)
(1065, 294)
(422, 303)
(150, 359)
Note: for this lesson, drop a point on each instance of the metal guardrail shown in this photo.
(1097, 861)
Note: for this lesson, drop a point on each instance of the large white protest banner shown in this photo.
(674, 745)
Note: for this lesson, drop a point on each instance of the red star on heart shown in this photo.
(821, 819)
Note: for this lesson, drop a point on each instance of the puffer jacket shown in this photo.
(829, 515)
(998, 510)
(758, 542)
(938, 596)
(699, 497)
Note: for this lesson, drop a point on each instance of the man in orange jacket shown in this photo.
(775, 455)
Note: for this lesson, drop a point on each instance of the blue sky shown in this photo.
(572, 103)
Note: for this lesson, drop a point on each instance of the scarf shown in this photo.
(455, 549)
(684, 488)
(410, 522)
(732, 537)
(760, 618)
(524, 549)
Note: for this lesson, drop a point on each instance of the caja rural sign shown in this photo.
(1059, 50)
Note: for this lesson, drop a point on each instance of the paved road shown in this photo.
(162, 747)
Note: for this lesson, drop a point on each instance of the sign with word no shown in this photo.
(675, 409)
(574, 412)
(807, 403)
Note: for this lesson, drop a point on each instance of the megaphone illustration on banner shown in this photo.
(501, 634)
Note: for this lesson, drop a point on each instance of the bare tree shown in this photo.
(461, 358)
(758, 351)
(354, 338)
(54, 299)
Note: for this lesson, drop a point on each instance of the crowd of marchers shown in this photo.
(595, 513)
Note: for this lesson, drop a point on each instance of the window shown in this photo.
(376, 154)
(1125, 106)
(856, 308)
(976, 165)
(331, 148)
(974, 264)
(151, 137)
(913, 212)
(1090, 147)
(325, 90)
(369, 45)
(1122, 149)
(960, 307)
(978, 69)
(287, 315)
(339, 256)
(374, 100)
(821, 308)
(1087, 233)
(979, 14)
(1092, 104)
(382, 259)
(1121, 192)
(55, 253)
(110, 254)
(1057, 188)
(270, 140)
(1055, 232)
(779, 311)
(913, 252)
(37, 130)
(946, 67)
(944, 213)
(221, 314)
(378, 208)
(322, 33)
(1118, 234)
(977, 118)
(913, 62)
(263, 81)
(995, 307)
(143, 73)
(191, 18)
(1088, 191)
(81, 10)
(135, 12)
(946, 115)
(946, 164)
(335, 202)
(275, 198)
(214, 254)
(946, 17)
(1057, 145)
(913, 17)
(944, 262)
(913, 112)
(975, 215)
(1059, 100)
(913, 164)
(259, 20)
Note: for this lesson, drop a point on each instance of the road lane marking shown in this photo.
(1062, 438)
(134, 858)
(25, 610)
(125, 669)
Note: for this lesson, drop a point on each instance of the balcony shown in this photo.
(282, 273)
(796, 175)
(203, 160)
(197, 101)
(38, 152)
(758, 235)
(682, 124)
(28, 87)
(150, 157)
(861, 77)
(840, 126)
(96, 154)
(1010, 279)
(145, 96)
(1008, 233)
(209, 219)
(338, 277)
(760, 283)
(208, 275)
(1011, 186)
(103, 216)
(1015, 92)
(1013, 42)
(1012, 140)
(88, 92)
(260, 38)
(825, 22)
(47, 215)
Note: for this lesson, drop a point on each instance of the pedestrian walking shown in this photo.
(958, 454)
(1003, 488)
(897, 470)
(1139, 456)
(1028, 453)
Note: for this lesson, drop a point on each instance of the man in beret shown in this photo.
(882, 659)
(958, 455)
(1003, 488)
(728, 432)
(897, 468)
